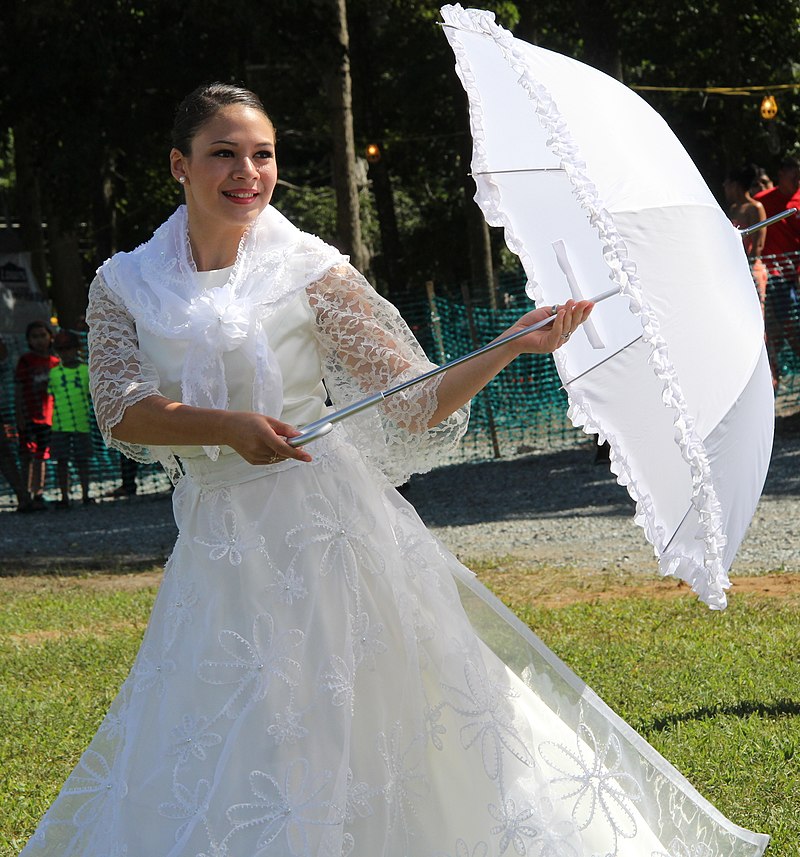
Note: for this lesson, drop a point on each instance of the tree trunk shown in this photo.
(480, 247)
(105, 211)
(600, 37)
(69, 289)
(340, 99)
(387, 223)
(480, 256)
(28, 204)
(367, 35)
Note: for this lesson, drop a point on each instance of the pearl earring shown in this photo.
(182, 179)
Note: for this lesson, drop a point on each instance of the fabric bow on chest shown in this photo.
(219, 321)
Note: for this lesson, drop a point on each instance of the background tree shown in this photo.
(688, 44)
(87, 93)
(345, 181)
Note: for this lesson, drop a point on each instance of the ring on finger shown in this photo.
(566, 336)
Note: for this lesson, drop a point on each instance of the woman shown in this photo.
(310, 682)
(743, 212)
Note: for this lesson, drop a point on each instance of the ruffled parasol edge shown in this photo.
(708, 579)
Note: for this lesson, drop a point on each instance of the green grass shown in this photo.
(718, 694)
(64, 651)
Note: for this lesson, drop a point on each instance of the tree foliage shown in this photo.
(90, 89)
(689, 44)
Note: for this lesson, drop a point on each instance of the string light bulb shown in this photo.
(373, 153)
(769, 107)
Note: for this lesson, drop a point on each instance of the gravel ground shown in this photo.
(555, 508)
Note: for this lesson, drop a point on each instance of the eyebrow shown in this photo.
(233, 143)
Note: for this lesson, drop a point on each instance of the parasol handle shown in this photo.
(762, 224)
(321, 427)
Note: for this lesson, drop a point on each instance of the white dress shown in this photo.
(320, 676)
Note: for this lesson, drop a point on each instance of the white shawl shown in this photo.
(157, 284)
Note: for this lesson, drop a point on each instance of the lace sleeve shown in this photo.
(119, 374)
(367, 347)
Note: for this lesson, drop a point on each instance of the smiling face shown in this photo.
(229, 175)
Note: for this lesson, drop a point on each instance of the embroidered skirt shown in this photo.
(320, 676)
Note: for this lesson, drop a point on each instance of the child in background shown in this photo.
(70, 440)
(8, 436)
(34, 406)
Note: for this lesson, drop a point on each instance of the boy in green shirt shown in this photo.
(70, 440)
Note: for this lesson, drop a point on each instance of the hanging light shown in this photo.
(769, 107)
(373, 153)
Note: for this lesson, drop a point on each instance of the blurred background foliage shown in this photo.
(88, 89)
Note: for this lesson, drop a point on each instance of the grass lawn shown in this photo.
(717, 693)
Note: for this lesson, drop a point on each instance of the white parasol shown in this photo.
(591, 185)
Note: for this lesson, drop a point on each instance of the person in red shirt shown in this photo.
(781, 255)
(34, 406)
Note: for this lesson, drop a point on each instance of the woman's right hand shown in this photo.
(158, 421)
(260, 439)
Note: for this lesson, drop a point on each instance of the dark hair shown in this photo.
(789, 163)
(744, 176)
(202, 104)
(38, 323)
(66, 339)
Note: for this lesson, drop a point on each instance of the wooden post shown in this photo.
(436, 322)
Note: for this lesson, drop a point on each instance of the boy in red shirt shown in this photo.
(34, 406)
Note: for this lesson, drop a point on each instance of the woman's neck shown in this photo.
(213, 252)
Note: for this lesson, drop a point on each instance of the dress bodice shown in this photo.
(334, 327)
(291, 338)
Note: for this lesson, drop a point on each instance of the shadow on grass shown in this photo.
(778, 708)
(559, 484)
(47, 567)
(556, 484)
(114, 537)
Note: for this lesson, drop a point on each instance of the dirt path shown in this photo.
(547, 529)
(512, 580)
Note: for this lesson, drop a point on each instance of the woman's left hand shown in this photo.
(463, 381)
(569, 317)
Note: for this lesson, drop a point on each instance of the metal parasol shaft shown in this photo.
(762, 224)
(321, 427)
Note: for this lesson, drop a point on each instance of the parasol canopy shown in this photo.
(591, 186)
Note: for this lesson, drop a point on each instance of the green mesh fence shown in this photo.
(110, 475)
(781, 301)
(522, 410)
